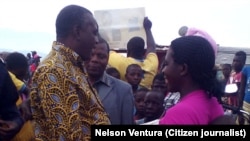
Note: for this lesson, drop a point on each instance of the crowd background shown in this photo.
(82, 81)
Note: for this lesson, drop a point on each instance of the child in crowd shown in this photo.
(113, 72)
(154, 106)
(160, 84)
(139, 97)
(134, 75)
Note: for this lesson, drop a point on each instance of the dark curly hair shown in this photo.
(135, 47)
(15, 61)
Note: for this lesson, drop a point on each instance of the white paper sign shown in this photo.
(117, 26)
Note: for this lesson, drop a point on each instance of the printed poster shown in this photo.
(117, 26)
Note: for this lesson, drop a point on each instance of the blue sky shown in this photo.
(29, 24)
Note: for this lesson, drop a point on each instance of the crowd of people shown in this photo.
(83, 82)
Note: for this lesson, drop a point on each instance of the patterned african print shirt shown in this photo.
(64, 105)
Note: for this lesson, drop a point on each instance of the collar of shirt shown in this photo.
(139, 60)
(104, 79)
(70, 54)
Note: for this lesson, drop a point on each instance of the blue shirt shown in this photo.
(246, 72)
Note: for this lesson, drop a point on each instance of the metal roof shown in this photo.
(226, 54)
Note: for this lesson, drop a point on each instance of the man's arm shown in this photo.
(40, 105)
(50, 111)
(151, 47)
(128, 106)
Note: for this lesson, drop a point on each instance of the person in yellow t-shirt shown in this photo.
(17, 66)
(136, 55)
(20, 85)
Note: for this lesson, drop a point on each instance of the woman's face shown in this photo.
(171, 72)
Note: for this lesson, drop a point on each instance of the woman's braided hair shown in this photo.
(197, 53)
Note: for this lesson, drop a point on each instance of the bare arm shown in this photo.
(151, 47)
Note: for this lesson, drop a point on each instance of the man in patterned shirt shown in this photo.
(64, 105)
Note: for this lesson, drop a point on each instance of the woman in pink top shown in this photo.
(189, 69)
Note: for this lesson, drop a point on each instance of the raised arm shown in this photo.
(151, 47)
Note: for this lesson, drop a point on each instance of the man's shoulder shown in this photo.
(151, 54)
(151, 59)
(119, 82)
(53, 62)
(246, 68)
(50, 68)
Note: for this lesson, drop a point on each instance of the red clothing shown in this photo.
(234, 78)
(33, 67)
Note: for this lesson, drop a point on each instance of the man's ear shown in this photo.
(183, 69)
(77, 31)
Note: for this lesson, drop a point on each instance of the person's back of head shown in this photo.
(33, 53)
(68, 17)
(102, 40)
(17, 64)
(158, 76)
(77, 29)
(135, 48)
(197, 54)
(28, 56)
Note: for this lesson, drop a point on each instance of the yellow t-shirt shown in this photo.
(149, 65)
(27, 132)
(20, 85)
